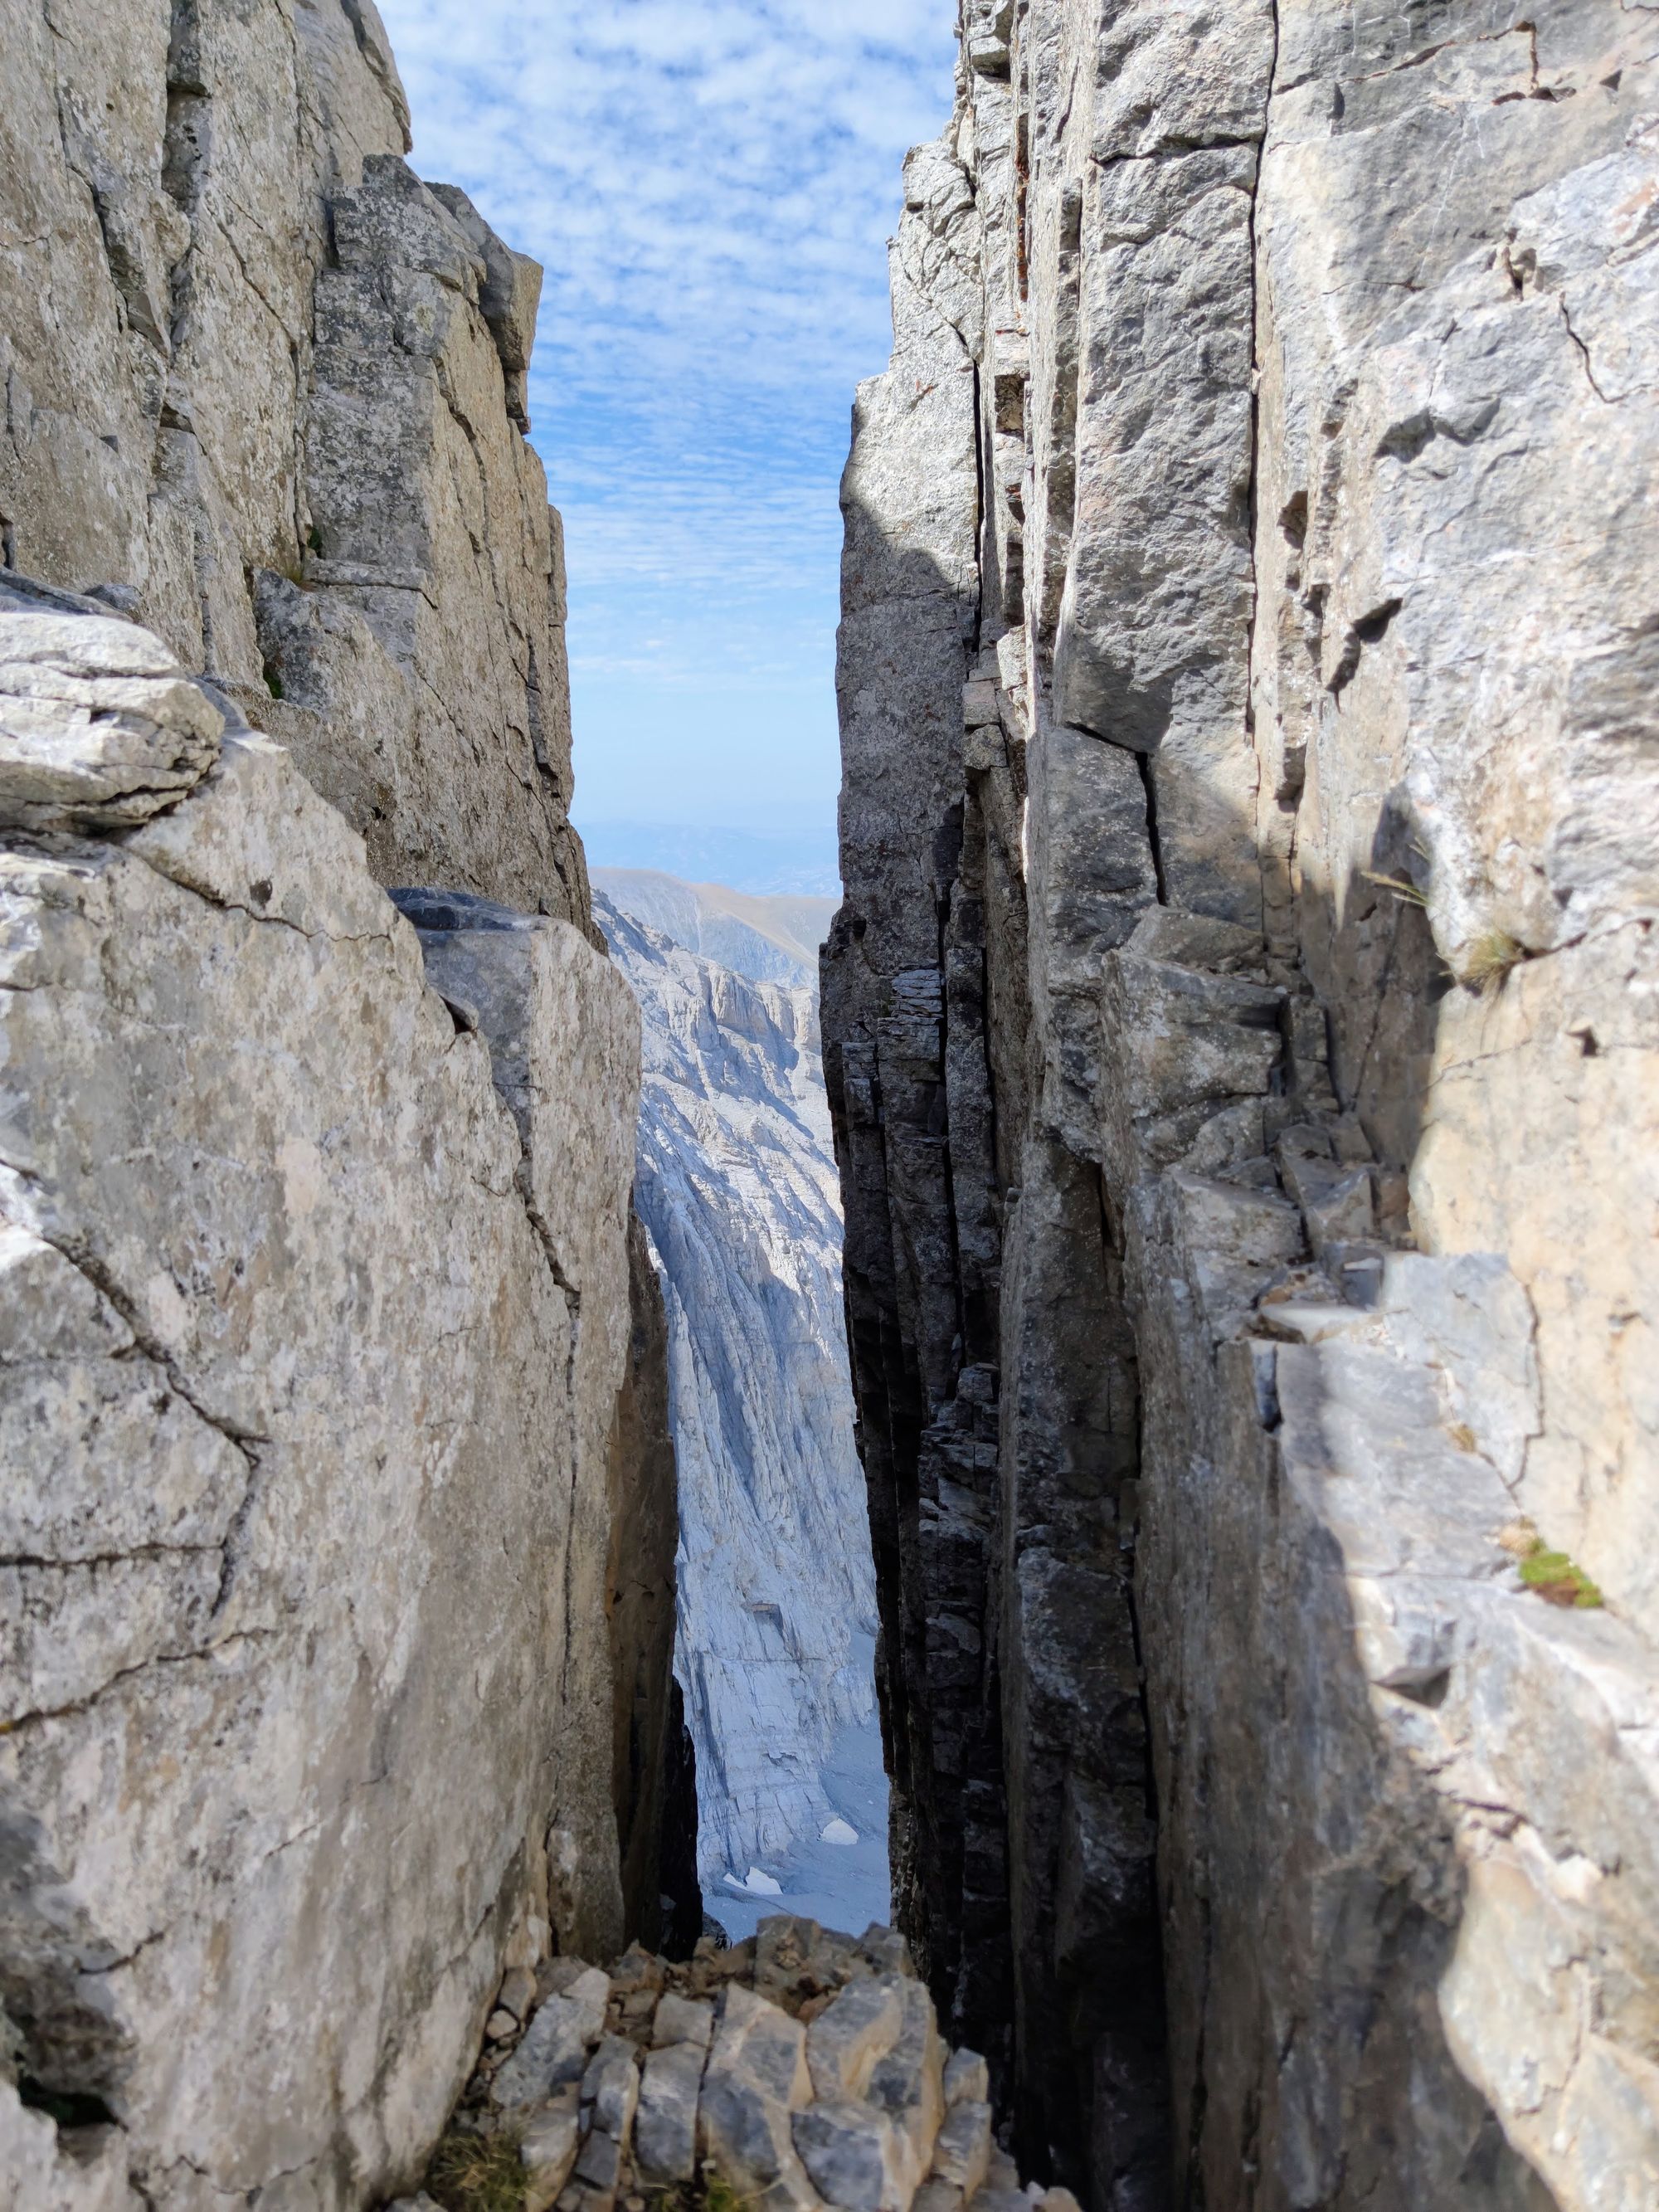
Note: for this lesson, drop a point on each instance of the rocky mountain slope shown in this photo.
(737, 1188)
(336, 1573)
(1241, 1034)
(772, 939)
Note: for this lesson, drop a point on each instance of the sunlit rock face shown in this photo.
(315, 1324)
(737, 1188)
(1241, 1034)
(330, 1370)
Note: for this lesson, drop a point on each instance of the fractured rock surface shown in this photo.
(265, 394)
(1241, 1035)
(332, 1368)
(314, 1334)
(800, 2069)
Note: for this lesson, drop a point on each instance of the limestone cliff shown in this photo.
(737, 1185)
(337, 1574)
(1241, 1034)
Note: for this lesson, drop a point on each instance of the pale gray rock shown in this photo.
(1240, 1035)
(682, 2020)
(853, 2157)
(610, 2088)
(291, 1345)
(737, 1187)
(246, 349)
(755, 2080)
(548, 2148)
(846, 2041)
(555, 2049)
(962, 2154)
(100, 728)
(273, 1237)
(967, 2078)
(665, 2125)
(908, 2081)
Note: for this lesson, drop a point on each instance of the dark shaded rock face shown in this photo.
(1248, 828)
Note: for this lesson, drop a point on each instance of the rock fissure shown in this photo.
(1310, 1278)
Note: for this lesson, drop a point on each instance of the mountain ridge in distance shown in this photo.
(761, 863)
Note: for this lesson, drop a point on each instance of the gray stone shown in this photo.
(854, 2157)
(967, 2078)
(244, 1616)
(666, 2126)
(516, 1994)
(261, 389)
(846, 2041)
(908, 2081)
(556, 2049)
(547, 2149)
(962, 2154)
(1239, 1033)
(755, 2078)
(610, 2088)
(682, 2020)
(598, 2163)
(100, 728)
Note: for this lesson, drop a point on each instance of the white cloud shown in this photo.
(709, 184)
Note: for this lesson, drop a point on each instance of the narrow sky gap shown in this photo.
(710, 185)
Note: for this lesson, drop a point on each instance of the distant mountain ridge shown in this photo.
(738, 1188)
(771, 939)
(759, 863)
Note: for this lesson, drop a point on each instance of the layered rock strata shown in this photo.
(1241, 1035)
(800, 2069)
(737, 1188)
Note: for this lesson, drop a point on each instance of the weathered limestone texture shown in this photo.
(737, 1188)
(1242, 1035)
(337, 1589)
(264, 392)
(313, 1342)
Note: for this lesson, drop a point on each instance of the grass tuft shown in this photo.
(1397, 884)
(477, 2173)
(1490, 960)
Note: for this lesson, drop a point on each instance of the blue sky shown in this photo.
(710, 185)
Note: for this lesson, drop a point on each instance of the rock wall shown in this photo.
(312, 1356)
(337, 1583)
(265, 392)
(737, 1185)
(1241, 1035)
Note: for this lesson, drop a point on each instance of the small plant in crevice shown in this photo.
(1398, 885)
(709, 2192)
(1490, 960)
(476, 2173)
(1553, 1576)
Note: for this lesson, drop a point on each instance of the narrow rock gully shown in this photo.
(1071, 1388)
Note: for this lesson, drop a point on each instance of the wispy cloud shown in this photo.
(709, 184)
